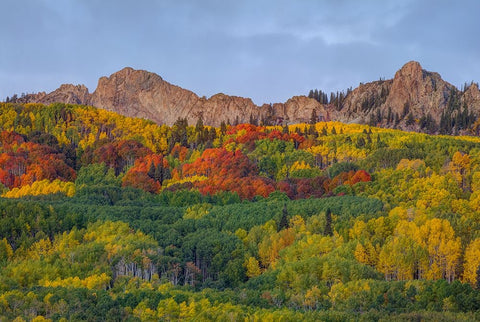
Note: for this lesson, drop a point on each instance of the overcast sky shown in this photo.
(266, 50)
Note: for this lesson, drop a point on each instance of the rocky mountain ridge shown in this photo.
(415, 99)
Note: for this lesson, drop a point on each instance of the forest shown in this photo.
(105, 217)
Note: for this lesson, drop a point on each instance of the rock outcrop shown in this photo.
(138, 93)
(66, 93)
(142, 94)
(413, 93)
(421, 91)
(471, 97)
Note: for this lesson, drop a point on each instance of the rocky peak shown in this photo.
(411, 70)
(70, 94)
(143, 94)
(66, 93)
(408, 81)
(421, 91)
(471, 99)
(139, 93)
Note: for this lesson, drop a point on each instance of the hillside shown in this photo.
(106, 217)
(415, 99)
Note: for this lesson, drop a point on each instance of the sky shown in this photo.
(266, 50)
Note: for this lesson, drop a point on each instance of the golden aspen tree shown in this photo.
(6, 251)
(253, 268)
(444, 249)
(472, 263)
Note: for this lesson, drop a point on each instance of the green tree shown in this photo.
(283, 223)
(328, 231)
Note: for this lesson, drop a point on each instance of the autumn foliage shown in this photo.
(147, 173)
(116, 216)
(22, 163)
(228, 171)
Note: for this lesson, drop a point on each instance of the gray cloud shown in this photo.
(267, 50)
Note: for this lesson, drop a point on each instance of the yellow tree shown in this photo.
(401, 258)
(472, 263)
(252, 266)
(438, 237)
(6, 251)
(460, 166)
(366, 254)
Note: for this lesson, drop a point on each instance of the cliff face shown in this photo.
(412, 93)
(423, 92)
(471, 97)
(139, 93)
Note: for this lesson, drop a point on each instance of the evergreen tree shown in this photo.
(396, 119)
(410, 119)
(151, 171)
(159, 173)
(324, 131)
(406, 109)
(313, 117)
(328, 223)
(477, 284)
(283, 224)
(253, 120)
(223, 128)
(360, 142)
(199, 126)
(378, 117)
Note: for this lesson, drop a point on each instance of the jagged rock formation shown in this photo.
(413, 99)
(139, 93)
(142, 94)
(471, 96)
(411, 90)
(66, 93)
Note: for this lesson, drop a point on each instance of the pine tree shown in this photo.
(223, 128)
(396, 119)
(159, 173)
(406, 109)
(477, 284)
(283, 224)
(328, 223)
(324, 131)
(410, 119)
(199, 126)
(313, 117)
(360, 142)
(151, 171)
